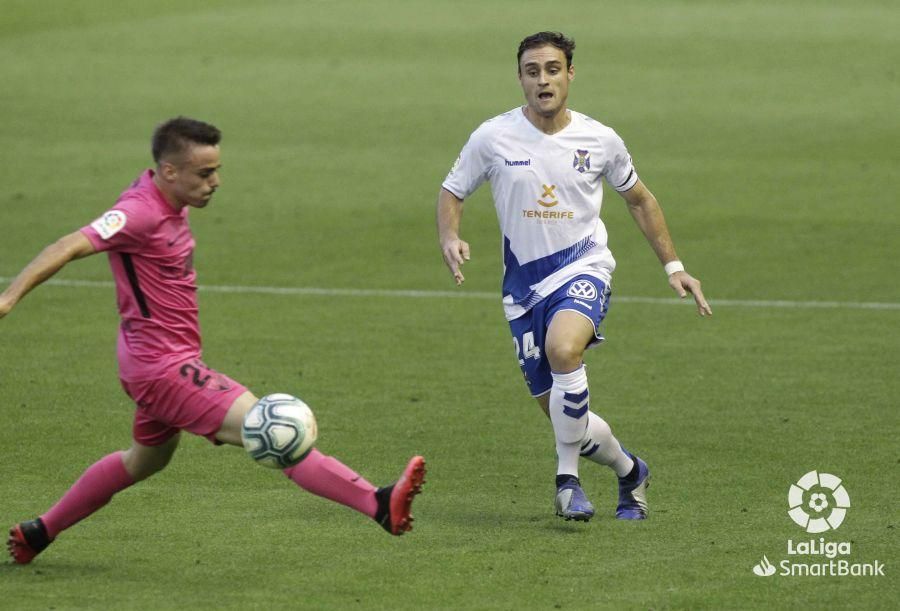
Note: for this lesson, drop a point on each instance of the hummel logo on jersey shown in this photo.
(518, 162)
(583, 289)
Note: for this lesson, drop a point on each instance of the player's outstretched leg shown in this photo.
(633, 491)
(571, 502)
(27, 540)
(93, 490)
(329, 478)
(395, 501)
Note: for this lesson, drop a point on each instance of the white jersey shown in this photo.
(547, 190)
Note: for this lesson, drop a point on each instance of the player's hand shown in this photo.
(456, 252)
(683, 283)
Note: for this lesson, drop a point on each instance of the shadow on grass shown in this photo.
(543, 522)
(52, 570)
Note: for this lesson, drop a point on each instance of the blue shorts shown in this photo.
(587, 295)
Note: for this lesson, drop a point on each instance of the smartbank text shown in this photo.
(832, 568)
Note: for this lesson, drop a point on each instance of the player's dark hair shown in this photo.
(542, 39)
(175, 135)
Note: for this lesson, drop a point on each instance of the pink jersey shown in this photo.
(150, 248)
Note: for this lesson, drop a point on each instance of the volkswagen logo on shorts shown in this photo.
(583, 289)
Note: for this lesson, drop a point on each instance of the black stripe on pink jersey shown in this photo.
(135, 285)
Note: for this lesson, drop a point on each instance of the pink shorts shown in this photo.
(190, 396)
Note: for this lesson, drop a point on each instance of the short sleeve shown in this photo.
(619, 170)
(123, 228)
(472, 167)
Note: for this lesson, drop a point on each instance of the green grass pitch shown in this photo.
(766, 129)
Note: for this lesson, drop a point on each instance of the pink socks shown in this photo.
(322, 475)
(330, 478)
(92, 491)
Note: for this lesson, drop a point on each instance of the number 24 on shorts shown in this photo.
(527, 349)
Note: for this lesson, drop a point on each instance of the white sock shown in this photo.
(599, 445)
(569, 400)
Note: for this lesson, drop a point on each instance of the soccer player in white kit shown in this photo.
(546, 164)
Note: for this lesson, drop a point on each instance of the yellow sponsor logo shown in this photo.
(548, 199)
(549, 196)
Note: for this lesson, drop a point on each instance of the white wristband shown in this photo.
(674, 266)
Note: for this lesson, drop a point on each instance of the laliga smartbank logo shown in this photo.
(818, 502)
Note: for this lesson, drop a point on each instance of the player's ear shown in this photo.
(571, 72)
(167, 170)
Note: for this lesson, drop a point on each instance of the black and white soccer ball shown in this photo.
(279, 431)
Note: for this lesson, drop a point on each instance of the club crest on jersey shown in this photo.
(582, 289)
(582, 161)
(109, 224)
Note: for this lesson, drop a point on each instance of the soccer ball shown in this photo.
(279, 431)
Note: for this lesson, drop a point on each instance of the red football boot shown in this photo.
(395, 501)
(27, 540)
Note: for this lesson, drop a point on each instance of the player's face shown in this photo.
(194, 178)
(545, 79)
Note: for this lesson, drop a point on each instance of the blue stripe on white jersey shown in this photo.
(518, 280)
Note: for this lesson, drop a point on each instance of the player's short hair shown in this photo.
(175, 135)
(542, 39)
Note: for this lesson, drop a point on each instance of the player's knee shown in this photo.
(565, 355)
(141, 469)
(143, 461)
(230, 431)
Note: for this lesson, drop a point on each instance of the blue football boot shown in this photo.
(633, 493)
(571, 503)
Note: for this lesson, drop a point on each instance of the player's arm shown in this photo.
(449, 216)
(52, 259)
(649, 217)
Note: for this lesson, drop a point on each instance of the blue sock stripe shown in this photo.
(575, 413)
(576, 405)
(576, 398)
(591, 451)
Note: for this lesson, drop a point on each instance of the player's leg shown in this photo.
(569, 335)
(600, 446)
(329, 478)
(567, 404)
(93, 490)
(530, 339)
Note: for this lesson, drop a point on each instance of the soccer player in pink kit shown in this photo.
(150, 247)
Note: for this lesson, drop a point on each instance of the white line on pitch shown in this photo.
(464, 294)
